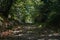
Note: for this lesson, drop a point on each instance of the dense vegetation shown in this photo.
(43, 13)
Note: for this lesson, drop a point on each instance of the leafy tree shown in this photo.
(41, 12)
(26, 11)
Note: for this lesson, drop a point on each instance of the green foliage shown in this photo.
(26, 10)
(46, 12)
